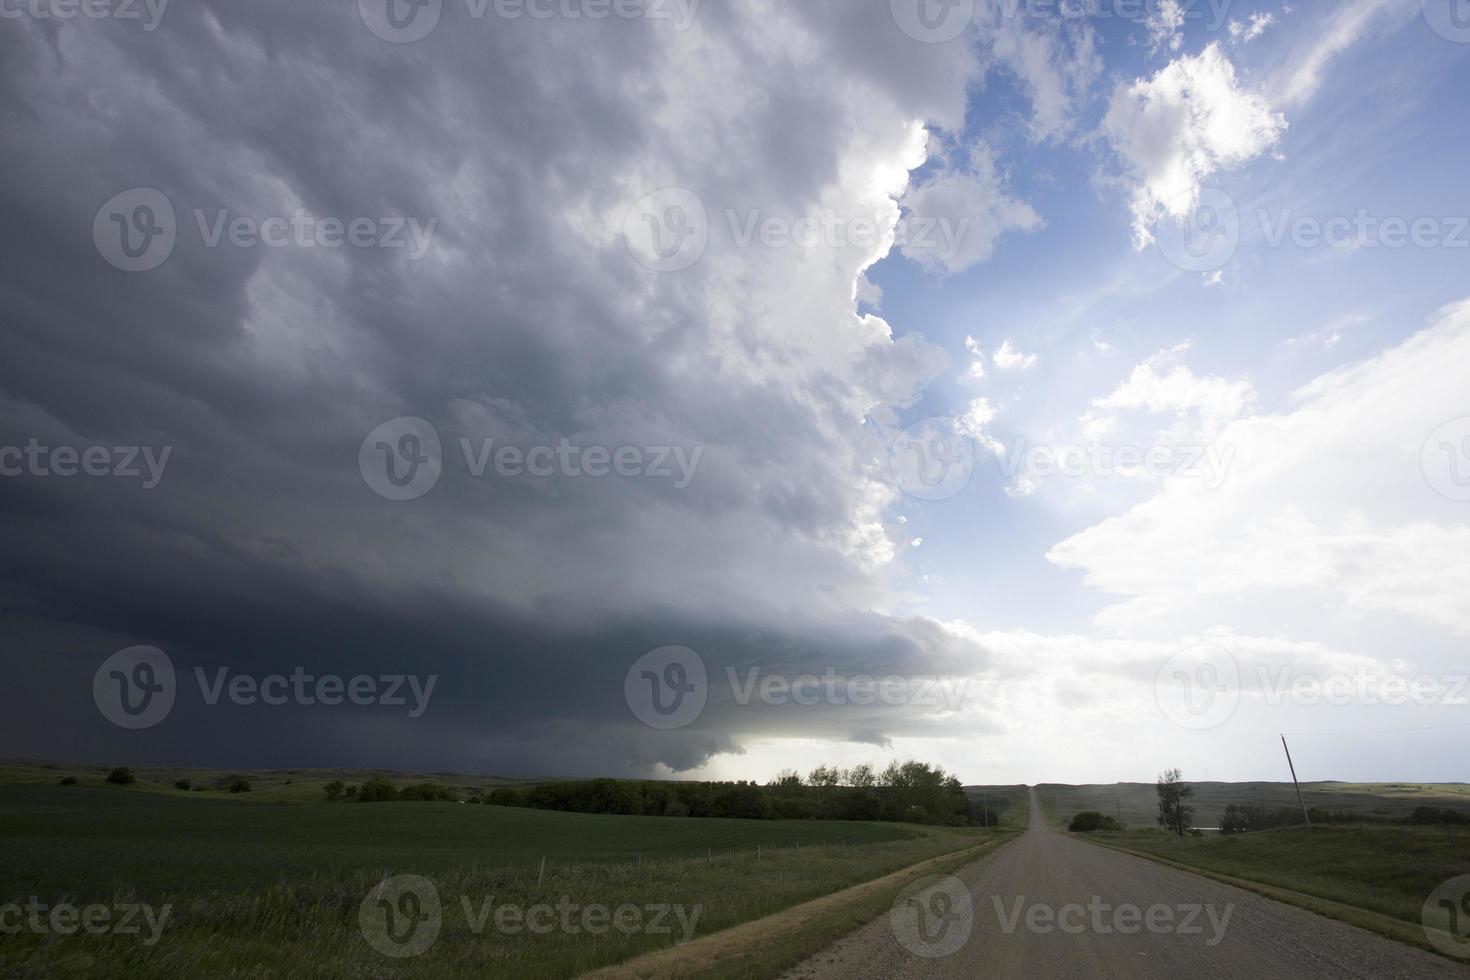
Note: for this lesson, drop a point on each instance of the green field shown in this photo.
(1137, 803)
(275, 889)
(266, 786)
(1388, 870)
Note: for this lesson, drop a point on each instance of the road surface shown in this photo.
(1048, 907)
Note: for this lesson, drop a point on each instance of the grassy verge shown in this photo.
(768, 947)
(277, 890)
(1373, 877)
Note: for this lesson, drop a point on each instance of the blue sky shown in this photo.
(1381, 147)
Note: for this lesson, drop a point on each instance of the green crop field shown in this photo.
(263, 888)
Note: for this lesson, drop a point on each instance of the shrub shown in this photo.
(1428, 815)
(377, 790)
(239, 785)
(68, 780)
(334, 789)
(1239, 818)
(121, 776)
(183, 784)
(1091, 821)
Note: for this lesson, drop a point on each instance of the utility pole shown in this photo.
(985, 804)
(1298, 785)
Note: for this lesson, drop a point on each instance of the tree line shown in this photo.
(908, 792)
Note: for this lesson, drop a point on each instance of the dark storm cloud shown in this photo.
(261, 370)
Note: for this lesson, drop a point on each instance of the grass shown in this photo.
(274, 889)
(1388, 870)
(770, 946)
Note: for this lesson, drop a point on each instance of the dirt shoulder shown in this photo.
(768, 945)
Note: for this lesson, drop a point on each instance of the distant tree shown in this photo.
(787, 779)
(1174, 793)
(350, 793)
(824, 777)
(334, 790)
(239, 784)
(184, 784)
(121, 776)
(377, 790)
(862, 777)
(68, 780)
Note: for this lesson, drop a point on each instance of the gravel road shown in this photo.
(1048, 906)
